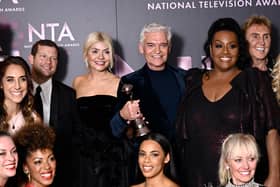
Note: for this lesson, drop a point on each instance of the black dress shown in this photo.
(102, 157)
(202, 125)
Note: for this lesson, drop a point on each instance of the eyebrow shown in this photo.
(100, 49)
(257, 33)
(9, 76)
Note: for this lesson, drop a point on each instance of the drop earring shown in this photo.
(27, 174)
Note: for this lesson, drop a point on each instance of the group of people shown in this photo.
(22, 120)
(206, 127)
(27, 158)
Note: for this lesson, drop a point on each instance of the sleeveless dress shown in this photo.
(102, 157)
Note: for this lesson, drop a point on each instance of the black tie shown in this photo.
(38, 101)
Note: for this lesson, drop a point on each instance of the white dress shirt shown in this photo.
(46, 98)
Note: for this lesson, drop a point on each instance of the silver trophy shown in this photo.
(139, 125)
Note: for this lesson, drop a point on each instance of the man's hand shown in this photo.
(131, 110)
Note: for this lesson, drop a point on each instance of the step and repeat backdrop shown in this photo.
(68, 22)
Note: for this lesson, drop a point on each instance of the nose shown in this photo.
(101, 55)
(17, 84)
(47, 165)
(157, 49)
(146, 159)
(225, 50)
(261, 40)
(245, 164)
(12, 156)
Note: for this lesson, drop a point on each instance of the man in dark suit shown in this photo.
(59, 105)
(157, 87)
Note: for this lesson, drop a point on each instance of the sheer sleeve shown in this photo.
(270, 108)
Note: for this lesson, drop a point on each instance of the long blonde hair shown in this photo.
(276, 79)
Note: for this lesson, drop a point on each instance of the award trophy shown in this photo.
(139, 125)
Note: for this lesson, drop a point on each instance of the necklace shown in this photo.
(14, 120)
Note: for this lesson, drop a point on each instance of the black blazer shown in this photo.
(63, 118)
(149, 102)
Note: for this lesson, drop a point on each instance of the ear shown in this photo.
(167, 158)
(226, 165)
(141, 48)
(31, 59)
(210, 49)
(25, 169)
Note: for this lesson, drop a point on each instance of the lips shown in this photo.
(225, 59)
(244, 173)
(261, 49)
(147, 168)
(10, 166)
(16, 93)
(100, 62)
(47, 175)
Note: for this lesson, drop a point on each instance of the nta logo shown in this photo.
(54, 31)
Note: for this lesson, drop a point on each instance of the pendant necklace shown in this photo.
(14, 120)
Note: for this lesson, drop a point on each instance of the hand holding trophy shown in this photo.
(139, 124)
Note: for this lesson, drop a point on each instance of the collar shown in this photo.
(251, 183)
(46, 88)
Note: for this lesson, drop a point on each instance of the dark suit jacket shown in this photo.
(149, 102)
(63, 118)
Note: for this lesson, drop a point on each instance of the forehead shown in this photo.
(41, 153)
(228, 35)
(150, 145)
(256, 28)
(99, 45)
(14, 69)
(158, 36)
(242, 151)
(47, 49)
(6, 142)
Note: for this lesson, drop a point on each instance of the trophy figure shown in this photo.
(139, 125)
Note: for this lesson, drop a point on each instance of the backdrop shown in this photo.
(68, 22)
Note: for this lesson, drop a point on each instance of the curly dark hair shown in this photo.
(29, 139)
(226, 24)
(34, 137)
(26, 105)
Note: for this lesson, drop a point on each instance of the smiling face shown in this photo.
(98, 57)
(44, 63)
(152, 159)
(259, 39)
(8, 158)
(14, 84)
(242, 166)
(155, 48)
(41, 165)
(224, 50)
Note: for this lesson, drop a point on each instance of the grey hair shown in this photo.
(155, 27)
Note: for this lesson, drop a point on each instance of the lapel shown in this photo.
(54, 103)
